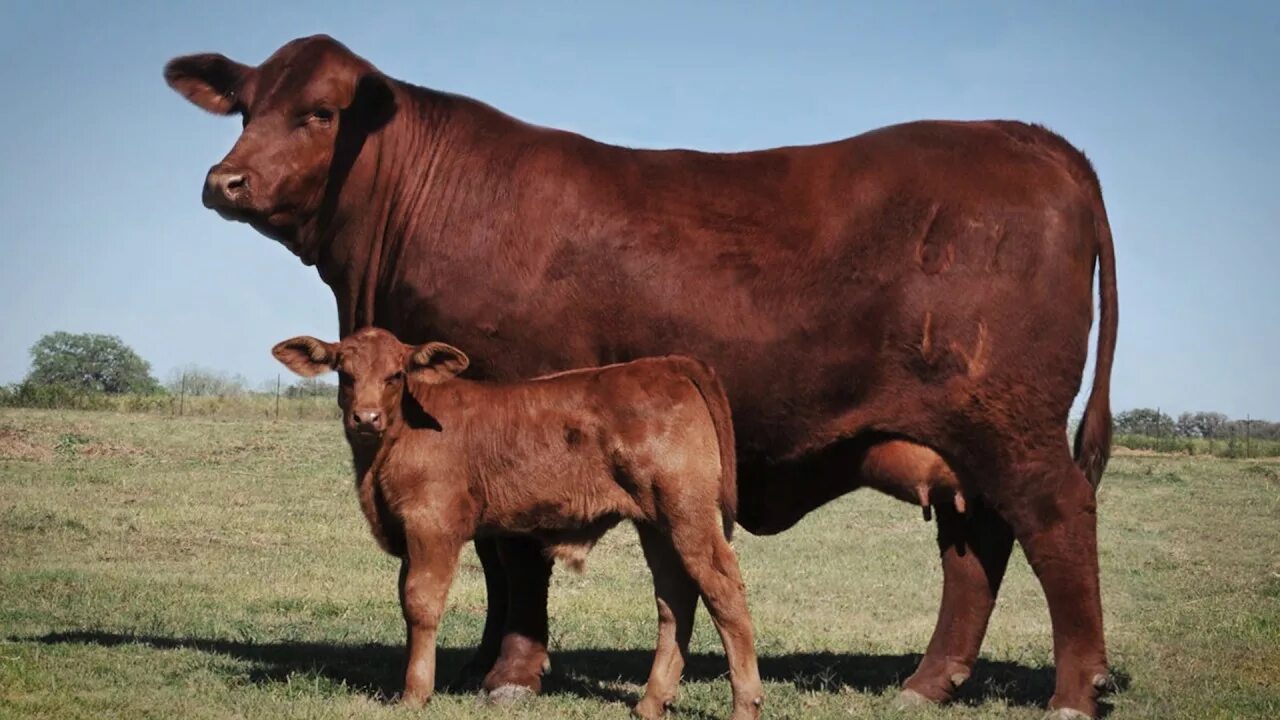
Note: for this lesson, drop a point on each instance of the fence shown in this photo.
(1236, 440)
(1203, 433)
(277, 405)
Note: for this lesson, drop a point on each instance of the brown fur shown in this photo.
(804, 275)
(563, 458)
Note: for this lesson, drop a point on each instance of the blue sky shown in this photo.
(1176, 103)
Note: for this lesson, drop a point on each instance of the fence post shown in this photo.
(277, 397)
(1248, 436)
(182, 395)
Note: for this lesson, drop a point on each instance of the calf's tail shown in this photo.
(717, 402)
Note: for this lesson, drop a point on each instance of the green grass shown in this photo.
(185, 567)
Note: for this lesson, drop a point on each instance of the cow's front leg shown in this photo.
(425, 576)
(495, 619)
(523, 656)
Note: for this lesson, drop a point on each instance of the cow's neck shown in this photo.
(431, 194)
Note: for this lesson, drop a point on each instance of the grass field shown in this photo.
(184, 567)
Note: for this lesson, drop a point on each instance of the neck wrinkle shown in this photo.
(438, 182)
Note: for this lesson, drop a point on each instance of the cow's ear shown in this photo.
(435, 362)
(374, 102)
(307, 356)
(210, 81)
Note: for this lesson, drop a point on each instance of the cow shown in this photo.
(439, 460)
(916, 297)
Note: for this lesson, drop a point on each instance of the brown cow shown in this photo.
(564, 458)
(929, 284)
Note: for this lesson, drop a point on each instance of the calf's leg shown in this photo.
(975, 547)
(709, 560)
(677, 599)
(425, 577)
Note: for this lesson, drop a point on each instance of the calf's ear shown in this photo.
(435, 362)
(306, 356)
(210, 81)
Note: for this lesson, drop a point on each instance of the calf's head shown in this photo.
(375, 370)
(307, 112)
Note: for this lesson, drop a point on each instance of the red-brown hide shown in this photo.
(929, 283)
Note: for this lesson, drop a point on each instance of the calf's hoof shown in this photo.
(911, 700)
(1067, 714)
(414, 701)
(650, 708)
(508, 695)
(750, 711)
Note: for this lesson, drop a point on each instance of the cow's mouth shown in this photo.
(278, 225)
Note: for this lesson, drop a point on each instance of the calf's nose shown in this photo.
(224, 186)
(368, 419)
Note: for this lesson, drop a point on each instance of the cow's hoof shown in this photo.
(1104, 683)
(1066, 714)
(911, 700)
(508, 695)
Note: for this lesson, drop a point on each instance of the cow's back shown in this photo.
(909, 263)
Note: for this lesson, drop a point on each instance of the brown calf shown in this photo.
(562, 458)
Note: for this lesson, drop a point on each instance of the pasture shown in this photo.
(153, 566)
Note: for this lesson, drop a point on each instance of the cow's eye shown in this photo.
(322, 115)
(397, 377)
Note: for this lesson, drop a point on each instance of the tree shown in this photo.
(311, 387)
(1144, 421)
(89, 362)
(1202, 424)
(199, 381)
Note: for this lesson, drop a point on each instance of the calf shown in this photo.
(563, 458)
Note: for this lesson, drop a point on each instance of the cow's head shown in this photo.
(374, 371)
(307, 112)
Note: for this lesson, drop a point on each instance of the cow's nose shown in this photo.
(368, 419)
(224, 186)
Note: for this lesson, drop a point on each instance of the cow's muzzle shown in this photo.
(226, 188)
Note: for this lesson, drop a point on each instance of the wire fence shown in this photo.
(280, 403)
(1155, 432)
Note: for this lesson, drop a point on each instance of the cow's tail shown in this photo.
(713, 396)
(1093, 437)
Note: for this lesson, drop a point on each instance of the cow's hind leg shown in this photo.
(677, 600)
(517, 673)
(975, 547)
(1057, 529)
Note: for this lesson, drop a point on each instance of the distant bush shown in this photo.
(1231, 447)
(35, 395)
(194, 380)
(244, 405)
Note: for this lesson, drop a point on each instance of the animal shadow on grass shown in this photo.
(376, 669)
